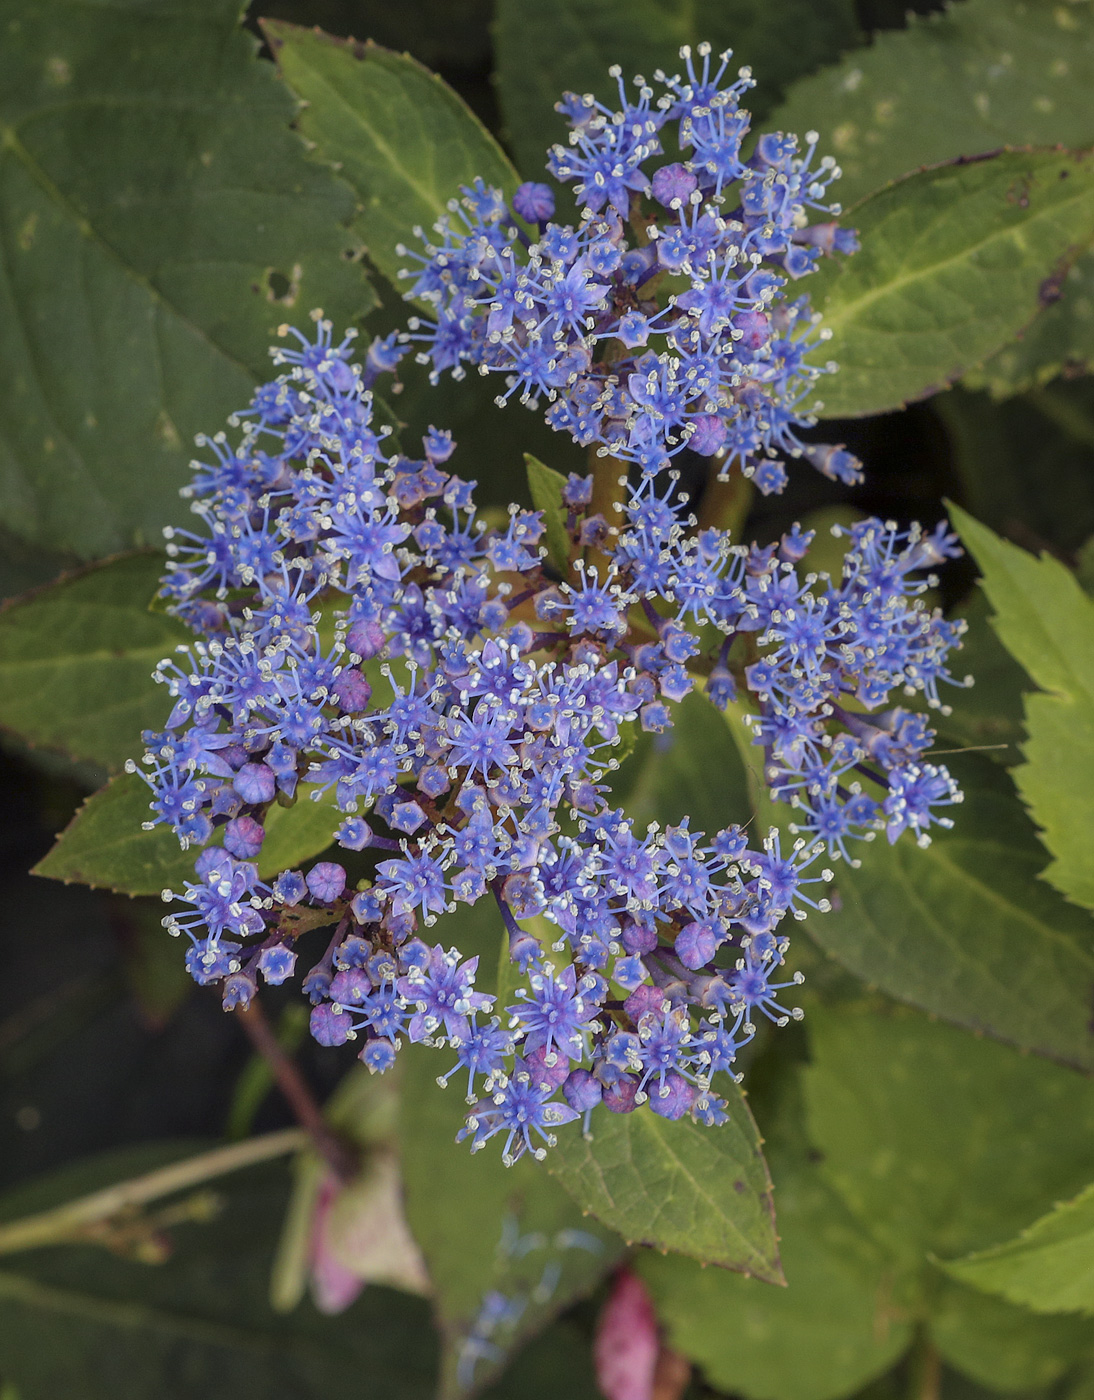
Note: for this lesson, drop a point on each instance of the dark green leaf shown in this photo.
(988, 713)
(1046, 621)
(395, 131)
(546, 486)
(161, 219)
(834, 1326)
(693, 771)
(80, 1321)
(965, 929)
(574, 42)
(76, 661)
(492, 1228)
(952, 266)
(980, 75)
(704, 1192)
(104, 845)
(1002, 1346)
(1005, 452)
(937, 1141)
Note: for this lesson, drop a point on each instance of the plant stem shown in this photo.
(338, 1156)
(924, 1370)
(725, 502)
(64, 1223)
(609, 490)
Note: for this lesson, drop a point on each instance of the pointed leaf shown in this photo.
(937, 1141)
(704, 1192)
(838, 1309)
(965, 929)
(953, 265)
(401, 137)
(162, 219)
(1046, 621)
(546, 486)
(76, 661)
(1049, 1267)
(104, 845)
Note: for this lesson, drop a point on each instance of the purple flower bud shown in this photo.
(696, 944)
(351, 691)
(330, 1025)
(619, 1096)
(709, 435)
(582, 1090)
(378, 1055)
(354, 833)
(277, 964)
(644, 1000)
(255, 783)
(366, 638)
(350, 988)
(407, 816)
(544, 1075)
(578, 491)
(638, 938)
(534, 202)
(675, 1099)
(243, 837)
(673, 182)
(326, 881)
(755, 329)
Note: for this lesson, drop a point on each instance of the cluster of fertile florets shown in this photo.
(659, 320)
(458, 701)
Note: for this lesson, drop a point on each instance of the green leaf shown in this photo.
(395, 131)
(937, 1141)
(1004, 452)
(833, 1328)
(104, 845)
(76, 661)
(81, 1321)
(162, 219)
(1002, 1346)
(693, 770)
(546, 486)
(952, 266)
(704, 1192)
(1046, 621)
(492, 1228)
(965, 929)
(989, 713)
(980, 75)
(1049, 1267)
(576, 41)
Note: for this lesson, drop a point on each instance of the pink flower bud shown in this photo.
(626, 1346)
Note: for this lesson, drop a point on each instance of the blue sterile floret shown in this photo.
(660, 320)
(363, 638)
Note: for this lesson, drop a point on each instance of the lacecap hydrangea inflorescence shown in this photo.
(364, 638)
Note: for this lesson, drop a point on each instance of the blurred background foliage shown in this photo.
(159, 216)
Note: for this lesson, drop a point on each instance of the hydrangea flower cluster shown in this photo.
(459, 700)
(660, 320)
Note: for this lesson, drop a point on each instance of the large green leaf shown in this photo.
(987, 714)
(104, 845)
(1001, 1346)
(1046, 621)
(953, 264)
(1005, 451)
(76, 661)
(704, 1192)
(980, 75)
(395, 131)
(937, 1141)
(158, 220)
(835, 1326)
(491, 1229)
(966, 930)
(574, 42)
(1048, 1267)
